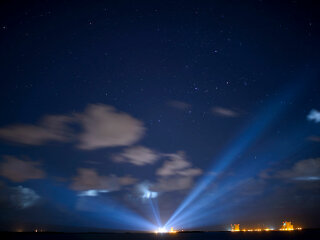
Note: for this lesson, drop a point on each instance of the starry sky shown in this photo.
(127, 115)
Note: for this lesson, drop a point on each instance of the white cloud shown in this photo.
(88, 179)
(177, 165)
(51, 128)
(176, 173)
(304, 170)
(190, 172)
(179, 105)
(104, 126)
(314, 115)
(18, 170)
(137, 155)
(224, 112)
(126, 180)
(174, 183)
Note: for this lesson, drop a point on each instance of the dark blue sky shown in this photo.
(125, 114)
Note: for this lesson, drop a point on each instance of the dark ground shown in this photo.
(301, 235)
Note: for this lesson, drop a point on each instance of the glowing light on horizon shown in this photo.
(164, 230)
(161, 230)
(287, 226)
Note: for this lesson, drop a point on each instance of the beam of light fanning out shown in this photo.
(244, 140)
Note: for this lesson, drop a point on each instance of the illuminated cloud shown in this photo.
(176, 173)
(17, 197)
(23, 197)
(18, 170)
(137, 155)
(101, 125)
(305, 170)
(177, 162)
(88, 179)
(314, 115)
(51, 128)
(150, 194)
(310, 178)
(224, 112)
(179, 105)
(173, 183)
(177, 165)
(190, 172)
(91, 193)
(143, 189)
(104, 126)
(126, 180)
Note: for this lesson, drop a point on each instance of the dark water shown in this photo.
(302, 235)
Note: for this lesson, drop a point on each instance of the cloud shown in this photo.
(308, 178)
(173, 184)
(101, 125)
(17, 197)
(304, 170)
(51, 128)
(89, 180)
(176, 173)
(224, 112)
(314, 115)
(179, 105)
(177, 165)
(143, 190)
(18, 170)
(104, 126)
(137, 155)
(91, 193)
(23, 197)
(190, 172)
(126, 180)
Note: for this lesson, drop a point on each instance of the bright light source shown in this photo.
(164, 230)
(161, 230)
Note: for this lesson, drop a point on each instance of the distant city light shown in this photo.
(286, 226)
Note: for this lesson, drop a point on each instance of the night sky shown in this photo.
(130, 115)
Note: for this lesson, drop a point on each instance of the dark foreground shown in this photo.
(302, 235)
